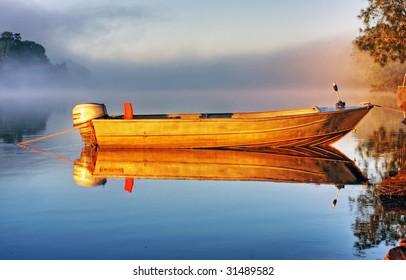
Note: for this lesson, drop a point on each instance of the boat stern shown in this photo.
(82, 115)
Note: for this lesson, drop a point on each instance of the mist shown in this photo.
(313, 65)
(105, 40)
(295, 77)
(71, 34)
(238, 81)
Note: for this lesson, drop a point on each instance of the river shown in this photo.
(47, 213)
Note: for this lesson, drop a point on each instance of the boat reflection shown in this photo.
(317, 165)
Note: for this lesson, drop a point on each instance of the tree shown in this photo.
(24, 62)
(384, 35)
(12, 49)
(28, 52)
(6, 41)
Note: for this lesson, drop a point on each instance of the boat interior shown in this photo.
(222, 115)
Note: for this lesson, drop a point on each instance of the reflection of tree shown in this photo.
(373, 224)
(385, 150)
(381, 154)
(16, 123)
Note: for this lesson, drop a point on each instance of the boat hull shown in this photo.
(305, 127)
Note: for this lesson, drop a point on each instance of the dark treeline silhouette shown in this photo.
(25, 63)
(14, 50)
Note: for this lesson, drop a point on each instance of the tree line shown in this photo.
(24, 62)
(14, 50)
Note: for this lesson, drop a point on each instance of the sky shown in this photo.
(167, 36)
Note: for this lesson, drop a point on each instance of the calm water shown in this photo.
(46, 214)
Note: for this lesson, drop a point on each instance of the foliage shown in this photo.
(13, 49)
(373, 224)
(384, 35)
(384, 148)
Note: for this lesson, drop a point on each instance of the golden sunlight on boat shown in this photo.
(317, 165)
(287, 128)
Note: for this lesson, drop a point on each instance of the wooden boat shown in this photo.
(317, 165)
(288, 128)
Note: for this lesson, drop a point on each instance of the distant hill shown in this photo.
(25, 63)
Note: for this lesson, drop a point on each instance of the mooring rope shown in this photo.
(44, 137)
(25, 146)
(388, 108)
(46, 153)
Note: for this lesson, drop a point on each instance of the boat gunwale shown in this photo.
(261, 116)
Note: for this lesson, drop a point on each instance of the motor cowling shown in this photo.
(83, 113)
(83, 169)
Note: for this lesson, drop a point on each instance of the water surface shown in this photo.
(46, 214)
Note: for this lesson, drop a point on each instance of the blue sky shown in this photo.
(156, 30)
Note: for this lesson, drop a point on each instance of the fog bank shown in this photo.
(312, 65)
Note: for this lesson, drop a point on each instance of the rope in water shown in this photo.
(44, 137)
(46, 153)
(25, 146)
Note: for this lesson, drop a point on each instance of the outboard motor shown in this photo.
(82, 114)
(83, 169)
